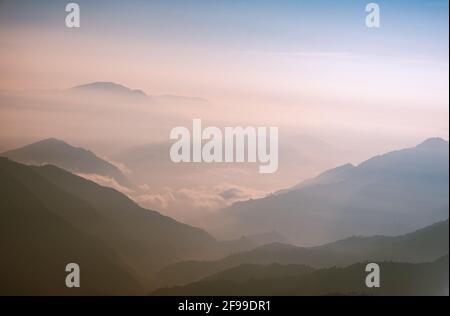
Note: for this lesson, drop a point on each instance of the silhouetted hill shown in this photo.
(389, 194)
(396, 279)
(38, 240)
(143, 240)
(58, 153)
(423, 245)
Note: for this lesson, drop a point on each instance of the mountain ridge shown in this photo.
(143, 240)
(423, 245)
(388, 194)
(61, 154)
(429, 279)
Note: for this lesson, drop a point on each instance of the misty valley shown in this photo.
(123, 248)
(232, 143)
(224, 156)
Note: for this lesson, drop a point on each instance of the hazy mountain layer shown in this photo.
(58, 153)
(423, 245)
(396, 279)
(389, 194)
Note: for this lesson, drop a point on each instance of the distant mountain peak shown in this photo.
(61, 154)
(109, 87)
(51, 140)
(435, 142)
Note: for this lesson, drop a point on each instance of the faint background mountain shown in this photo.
(73, 159)
(115, 89)
(389, 194)
(109, 88)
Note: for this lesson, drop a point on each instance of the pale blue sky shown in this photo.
(410, 28)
